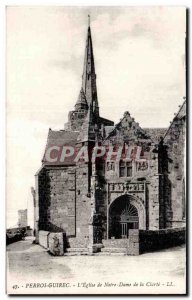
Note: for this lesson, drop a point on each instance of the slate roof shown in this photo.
(60, 138)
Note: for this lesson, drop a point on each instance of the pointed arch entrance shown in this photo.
(123, 215)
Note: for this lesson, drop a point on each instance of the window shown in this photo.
(125, 168)
(110, 166)
(122, 169)
(129, 168)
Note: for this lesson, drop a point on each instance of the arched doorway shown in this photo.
(122, 217)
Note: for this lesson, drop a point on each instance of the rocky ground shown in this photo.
(31, 270)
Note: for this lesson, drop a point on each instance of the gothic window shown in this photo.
(125, 168)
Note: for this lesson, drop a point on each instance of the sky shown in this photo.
(140, 65)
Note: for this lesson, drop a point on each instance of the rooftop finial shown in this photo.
(88, 20)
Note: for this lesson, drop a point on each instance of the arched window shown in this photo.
(125, 168)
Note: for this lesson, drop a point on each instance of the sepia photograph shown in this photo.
(96, 122)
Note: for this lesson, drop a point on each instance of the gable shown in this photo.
(127, 131)
(177, 126)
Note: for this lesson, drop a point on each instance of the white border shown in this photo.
(98, 2)
(3, 4)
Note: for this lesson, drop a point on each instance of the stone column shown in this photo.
(91, 247)
(95, 233)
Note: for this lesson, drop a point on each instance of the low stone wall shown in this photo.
(150, 240)
(43, 238)
(141, 241)
(53, 241)
(29, 232)
(134, 242)
(56, 243)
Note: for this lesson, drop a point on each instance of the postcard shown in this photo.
(96, 150)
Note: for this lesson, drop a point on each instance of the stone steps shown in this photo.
(114, 250)
(115, 243)
(104, 251)
(110, 253)
(75, 249)
(76, 253)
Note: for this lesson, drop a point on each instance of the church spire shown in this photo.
(89, 19)
(89, 76)
(85, 118)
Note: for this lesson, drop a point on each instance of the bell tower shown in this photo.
(87, 100)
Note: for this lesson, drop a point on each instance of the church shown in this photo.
(126, 201)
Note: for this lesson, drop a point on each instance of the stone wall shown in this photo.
(14, 234)
(65, 203)
(57, 199)
(116, 187)
(141, 241)
(55, 242)
(160, 239)
(130, 133)
(43, 238)
(175, 139)
(152, 197)
(75, 120)
(83, 205)
(134, 242)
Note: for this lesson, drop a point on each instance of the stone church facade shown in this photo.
(106, 203)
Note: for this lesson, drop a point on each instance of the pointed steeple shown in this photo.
(86, 111)
(89, 76)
